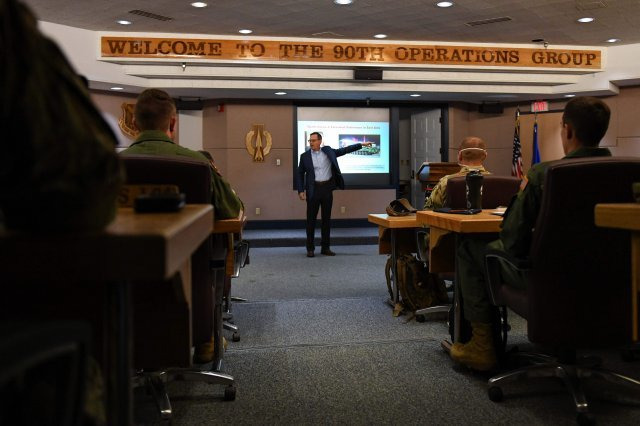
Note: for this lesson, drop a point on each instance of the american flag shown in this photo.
(516, 164)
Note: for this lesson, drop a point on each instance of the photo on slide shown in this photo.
(373, 150)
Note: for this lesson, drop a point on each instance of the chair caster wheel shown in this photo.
(235, 337)
(230, 393)
(420, 318)
(630, 354)
(495, 394)
(585, 419)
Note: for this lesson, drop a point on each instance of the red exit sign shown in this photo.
(539, 106)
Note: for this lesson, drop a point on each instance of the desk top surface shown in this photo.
(622, 216)
(387, 221)
(484, 221)
(226, 226)
(136, 246)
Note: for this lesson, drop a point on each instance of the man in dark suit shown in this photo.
(320, 166)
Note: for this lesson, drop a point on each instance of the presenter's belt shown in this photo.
(324, 182)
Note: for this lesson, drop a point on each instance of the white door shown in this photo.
(426, 141)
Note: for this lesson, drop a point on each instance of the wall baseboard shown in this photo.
(300, 224)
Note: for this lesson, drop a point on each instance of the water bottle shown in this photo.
(474, 190)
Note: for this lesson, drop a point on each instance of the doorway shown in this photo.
(426, 145)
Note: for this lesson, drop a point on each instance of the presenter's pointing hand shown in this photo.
(367, 144)
(302, 196)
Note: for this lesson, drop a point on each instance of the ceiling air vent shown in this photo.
(590, 5)
(150, 15)
(327, 34)
(489, 21)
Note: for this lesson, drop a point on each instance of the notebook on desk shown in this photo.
(457, 211)
(499, 211)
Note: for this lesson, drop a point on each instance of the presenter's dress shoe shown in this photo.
(310, 253)
(328, 252)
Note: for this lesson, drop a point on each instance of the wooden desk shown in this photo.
(150, 246)
(443, 229)
(626, 216)
(389, 242)
(444, 226)
(231, 228)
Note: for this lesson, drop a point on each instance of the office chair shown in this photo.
(422, 250)
(578, 276)
(43, 371)
(193, 178)
(241, 258)
(496, 191)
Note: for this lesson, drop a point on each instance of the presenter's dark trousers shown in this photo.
(322, 200)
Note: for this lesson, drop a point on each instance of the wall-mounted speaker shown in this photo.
(367, 74)
(492, 108)
(189, 105)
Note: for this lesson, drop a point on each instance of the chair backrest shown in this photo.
(43, 372)
(579, 289)
(193, 178)
(496, 191)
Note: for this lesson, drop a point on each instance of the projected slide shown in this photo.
(340, 134)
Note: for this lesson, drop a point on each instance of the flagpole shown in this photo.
(535, 159)
(516, 161)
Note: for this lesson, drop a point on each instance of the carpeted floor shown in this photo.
(320, 346)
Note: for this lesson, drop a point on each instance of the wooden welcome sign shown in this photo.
(374, 53)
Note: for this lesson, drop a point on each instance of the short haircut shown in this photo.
(473, 148)
(589, 118)
(318, 134)
(154, 110)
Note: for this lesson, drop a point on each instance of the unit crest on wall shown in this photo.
(258, 142)
(126, 120)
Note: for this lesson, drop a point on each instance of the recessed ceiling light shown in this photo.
(380, 36)
(343, 2)
(444, 4)
(123, 22)
(116, 88)
(245, 31)
(586, 20)
(199, 4)
(613, 40)
(415, 95)
(569, 96)
(281, 93)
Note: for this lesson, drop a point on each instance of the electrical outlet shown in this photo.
(343, 209)
(257, 211)
(277, 161)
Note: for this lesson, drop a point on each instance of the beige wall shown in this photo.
(623, 136)
(266, 185)
(111, 105)
(269, 187)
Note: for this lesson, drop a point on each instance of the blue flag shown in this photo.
(536, 152)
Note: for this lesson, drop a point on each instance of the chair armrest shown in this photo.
(493, 259)
(422, 245)
(517, 262)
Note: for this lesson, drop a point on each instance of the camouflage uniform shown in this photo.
(515, 238)
(438, 195)
(58, 170)
(156, 142)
